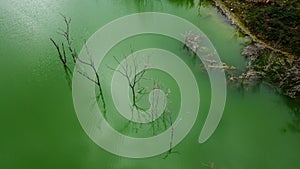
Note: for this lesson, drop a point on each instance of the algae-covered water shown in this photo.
(39, 127)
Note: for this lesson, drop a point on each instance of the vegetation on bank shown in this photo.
(274, 28)
(275, 22)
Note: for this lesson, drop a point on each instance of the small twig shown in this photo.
(66, 34)
(86, 76)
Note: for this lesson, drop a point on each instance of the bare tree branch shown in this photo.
(86, 76)
(97, 81)
(61, 57)
(126, 71)
(66, 34)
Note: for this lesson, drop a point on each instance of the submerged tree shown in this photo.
(63, 59)
(171, 150)
(66, 34)
(63, 50)
(133, 73)
(133, 77)
(90, 63)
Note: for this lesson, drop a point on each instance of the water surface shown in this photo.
(38, 124)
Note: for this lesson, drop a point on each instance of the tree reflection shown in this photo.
(294, 124)
(184, 3)
(191, 3)
(144, 5)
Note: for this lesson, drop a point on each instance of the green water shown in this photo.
(38, 123)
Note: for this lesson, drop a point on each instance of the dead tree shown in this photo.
(66, 34)
(134, 78)
(164, 121)
(61, 50)
(90, 63)
(170, 119)
(128, 71)
(62, 54)
(63, 58)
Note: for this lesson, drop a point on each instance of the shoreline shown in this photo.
(236, 22)
(265, 62)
